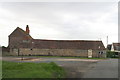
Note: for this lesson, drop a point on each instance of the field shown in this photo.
(31, 70)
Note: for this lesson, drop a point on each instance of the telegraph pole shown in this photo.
(107, 40)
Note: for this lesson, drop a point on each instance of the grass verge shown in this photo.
(31, 70)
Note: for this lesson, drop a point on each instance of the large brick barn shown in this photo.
(21, 43)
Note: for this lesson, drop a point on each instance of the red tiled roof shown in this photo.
(67, 44)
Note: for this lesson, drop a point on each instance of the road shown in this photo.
(104, 69)
(79, 68)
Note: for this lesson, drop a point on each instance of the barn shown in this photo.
(21, 43)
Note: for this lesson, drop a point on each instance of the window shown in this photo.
(26, 41)
(99, 52)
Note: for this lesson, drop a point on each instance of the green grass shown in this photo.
(0, 69)
(32, 70)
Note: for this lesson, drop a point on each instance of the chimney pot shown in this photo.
(27, 29)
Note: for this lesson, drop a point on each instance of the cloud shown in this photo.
(64, 20)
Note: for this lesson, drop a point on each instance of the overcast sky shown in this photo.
(61, 20)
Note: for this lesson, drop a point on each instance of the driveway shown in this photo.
(78, 68)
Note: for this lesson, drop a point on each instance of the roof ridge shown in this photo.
(21, 30)
(68, 40)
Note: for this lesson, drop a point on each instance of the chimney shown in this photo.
(27, 29)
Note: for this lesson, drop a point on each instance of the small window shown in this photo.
(26, 41)
(101, 52)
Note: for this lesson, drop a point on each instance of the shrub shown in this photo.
(111, 54)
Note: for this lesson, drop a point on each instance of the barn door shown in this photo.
(90, 53)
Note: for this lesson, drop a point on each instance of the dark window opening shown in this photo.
(29, 54)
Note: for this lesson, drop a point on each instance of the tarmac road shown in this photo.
(104, 69)
(79, 68)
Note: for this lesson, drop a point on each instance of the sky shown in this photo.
(61, 20)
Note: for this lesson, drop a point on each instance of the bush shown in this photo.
(111, 54)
